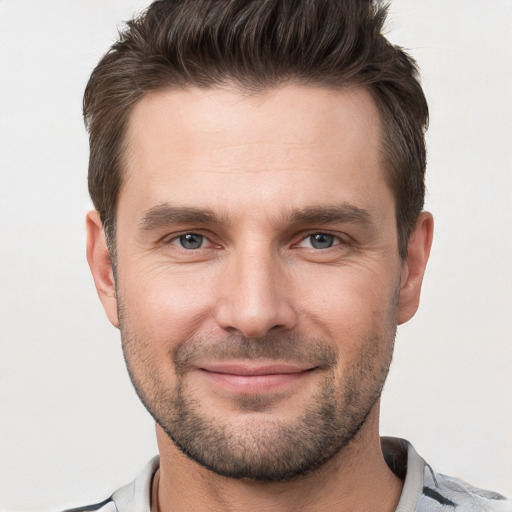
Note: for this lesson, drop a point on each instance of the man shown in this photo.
(257, 170)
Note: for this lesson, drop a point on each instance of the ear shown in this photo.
(414, 266)
(101, 265)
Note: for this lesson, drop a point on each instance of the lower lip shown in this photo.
(254, 384)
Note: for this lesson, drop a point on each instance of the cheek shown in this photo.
(168, 307)
(349, 303)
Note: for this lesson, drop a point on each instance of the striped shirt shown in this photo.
(423, 491)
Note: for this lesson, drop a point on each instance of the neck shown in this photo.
(356, 479)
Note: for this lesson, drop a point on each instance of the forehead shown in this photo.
(277, 149)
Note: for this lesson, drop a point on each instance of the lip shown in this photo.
(254, 378)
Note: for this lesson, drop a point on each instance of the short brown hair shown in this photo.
(259, 44)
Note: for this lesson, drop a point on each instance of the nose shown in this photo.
(256, 296)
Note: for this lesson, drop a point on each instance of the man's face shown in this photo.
(259, 281)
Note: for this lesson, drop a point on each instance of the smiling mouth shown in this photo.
(254, 379)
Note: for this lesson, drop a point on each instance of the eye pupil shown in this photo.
(321, 241)
(191, 241)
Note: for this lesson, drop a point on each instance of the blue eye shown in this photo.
(191, 241)
(321, 240)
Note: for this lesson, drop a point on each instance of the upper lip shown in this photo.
(250, 369)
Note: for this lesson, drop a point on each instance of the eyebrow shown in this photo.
(344, 213)
(165, 215)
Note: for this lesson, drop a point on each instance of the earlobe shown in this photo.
(414, 266)
(100, 264)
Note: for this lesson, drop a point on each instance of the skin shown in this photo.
(257, 276)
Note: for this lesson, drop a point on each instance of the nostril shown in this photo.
(254, 309)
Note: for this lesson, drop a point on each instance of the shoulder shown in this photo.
(442, 492)
(133, 497)
(424, 490)
(107, 505)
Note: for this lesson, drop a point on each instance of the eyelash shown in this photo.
(176, 239)
(335, 239)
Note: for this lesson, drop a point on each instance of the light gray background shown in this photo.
(71, 427)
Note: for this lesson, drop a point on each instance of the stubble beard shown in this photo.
(261, 447)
